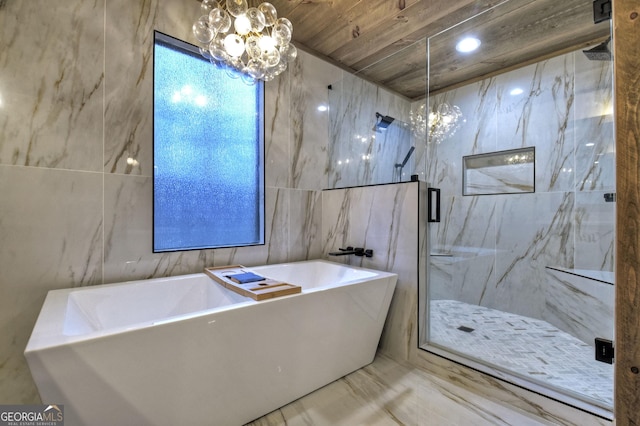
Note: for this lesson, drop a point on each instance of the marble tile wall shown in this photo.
(496, 247)
(357, 153)
(384, 219)
(580, 305)
(75, 103)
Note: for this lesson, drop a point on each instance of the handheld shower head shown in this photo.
(406, 158)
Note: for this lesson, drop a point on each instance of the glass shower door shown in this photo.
(520, 266)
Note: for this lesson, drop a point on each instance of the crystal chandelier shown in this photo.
(251, 40)
(418, 119)
(441, 123)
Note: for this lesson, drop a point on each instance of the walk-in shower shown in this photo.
(520, 270)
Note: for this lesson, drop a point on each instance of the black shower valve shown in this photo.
(358, 251)
(368, 253)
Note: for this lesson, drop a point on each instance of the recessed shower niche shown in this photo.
(504, 172)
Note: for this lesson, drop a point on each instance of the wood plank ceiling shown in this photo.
(385, 41)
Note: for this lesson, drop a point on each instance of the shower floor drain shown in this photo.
(465, 329)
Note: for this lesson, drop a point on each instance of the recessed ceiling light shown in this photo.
(322, 108)
(517, 91)
(468, 44)
(589, 144)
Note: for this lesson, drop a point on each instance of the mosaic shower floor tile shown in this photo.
(529, 347)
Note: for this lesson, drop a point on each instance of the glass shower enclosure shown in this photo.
(370, 139)
(520, 264)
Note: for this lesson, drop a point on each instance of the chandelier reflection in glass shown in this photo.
(442, 122)
(251, 40)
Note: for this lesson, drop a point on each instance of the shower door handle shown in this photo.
(433, 205)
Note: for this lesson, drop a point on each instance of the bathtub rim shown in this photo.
(377, 273)
(48, 330)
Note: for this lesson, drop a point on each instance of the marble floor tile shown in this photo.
(528, 347)
(389, 393)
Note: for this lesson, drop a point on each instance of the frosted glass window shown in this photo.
(208, 153)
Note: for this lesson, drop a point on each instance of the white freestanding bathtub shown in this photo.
(186, 350)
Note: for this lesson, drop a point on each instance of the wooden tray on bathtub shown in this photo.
(257, 290)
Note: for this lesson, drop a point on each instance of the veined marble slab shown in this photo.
(389, 393)
(52, 237)
(52, 88)
(357, 153)
(580, 305)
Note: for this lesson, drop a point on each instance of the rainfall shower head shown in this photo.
(599, 53)
(382, 122)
